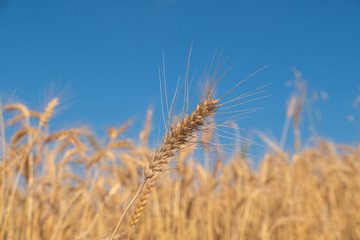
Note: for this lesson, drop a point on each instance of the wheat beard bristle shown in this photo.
(174, 140)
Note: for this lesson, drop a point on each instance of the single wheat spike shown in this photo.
(64, 133)
(144, 135)
(178, 135)
(44, 119)
(19, 107)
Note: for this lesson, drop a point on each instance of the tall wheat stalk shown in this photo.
(178, 135)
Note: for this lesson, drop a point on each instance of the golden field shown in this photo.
(66, 185)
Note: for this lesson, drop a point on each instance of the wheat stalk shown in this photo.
(178, 135)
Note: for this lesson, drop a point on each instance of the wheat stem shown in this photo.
(127, 209)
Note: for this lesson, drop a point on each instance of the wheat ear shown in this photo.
(178, 134)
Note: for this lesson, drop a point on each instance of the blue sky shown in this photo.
(102, 57)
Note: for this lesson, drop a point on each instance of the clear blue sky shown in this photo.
(103, 57)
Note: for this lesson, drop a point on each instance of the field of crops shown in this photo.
(68, 185)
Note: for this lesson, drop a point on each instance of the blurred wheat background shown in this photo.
(313, 194)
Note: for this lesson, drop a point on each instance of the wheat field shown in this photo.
(69, 185)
